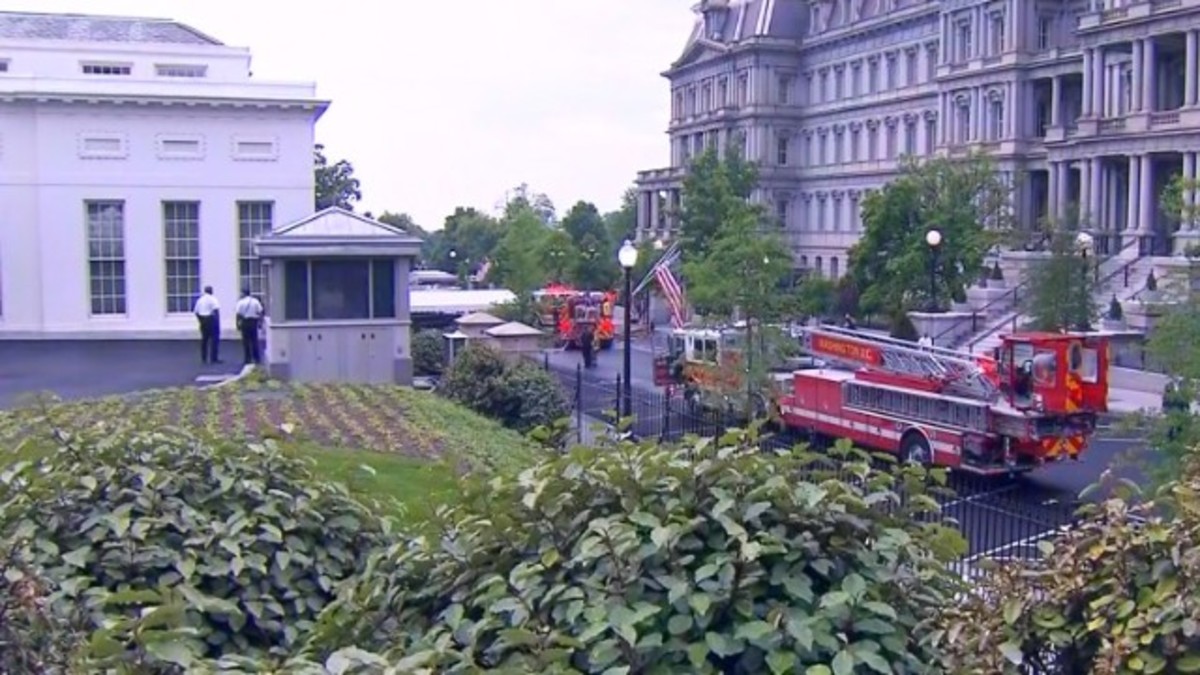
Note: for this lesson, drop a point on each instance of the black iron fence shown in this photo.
(1001, 518)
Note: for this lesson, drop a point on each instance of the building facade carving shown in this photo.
(1088, 108)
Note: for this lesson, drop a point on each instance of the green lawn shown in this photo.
(402, 447)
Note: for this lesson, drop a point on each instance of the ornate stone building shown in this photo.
(1081, 103)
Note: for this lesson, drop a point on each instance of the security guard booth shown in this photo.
(338, 299)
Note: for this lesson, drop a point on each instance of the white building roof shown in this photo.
(91, 28)
(513, 329)
(479, 319)
(454, 301)
(339, 223)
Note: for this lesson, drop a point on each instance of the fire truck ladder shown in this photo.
(960, 373)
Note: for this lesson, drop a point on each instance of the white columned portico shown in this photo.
(1148, 76)
(1133, 193)
(1136, 69)
(1190, 67)
(1088, 85)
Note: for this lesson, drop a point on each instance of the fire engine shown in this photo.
(587, 310)
(549, 302)
(1035, 401)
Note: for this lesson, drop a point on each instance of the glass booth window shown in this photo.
(339, 290)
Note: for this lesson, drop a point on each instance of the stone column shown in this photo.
(977, 114)
(1148, 76)
(1064, 186)
(946, 45)
(1053, 203)
(1095, 178)
(1098, 83)
(1133, 192)
(1190, 66)
(1146, 196)
(1136, 67)
(643, 211)
(1085, 189)
(1088, 84)
(1056, 101)
(655, 222)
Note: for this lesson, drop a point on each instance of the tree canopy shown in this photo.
(335, 183)
(1062, 288)
(715, 191)
(518, 263)
(965, 200)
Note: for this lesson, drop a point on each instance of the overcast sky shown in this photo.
(440, 103)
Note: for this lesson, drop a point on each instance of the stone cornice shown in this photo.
(173, 101)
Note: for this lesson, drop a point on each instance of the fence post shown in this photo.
(546, 360)
(579, 404)
(666, 423)
(617, 401)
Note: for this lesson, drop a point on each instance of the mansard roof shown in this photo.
(91, 28)
(721, 24)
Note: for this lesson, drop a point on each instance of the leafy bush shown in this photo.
(707, 557)
(519, 395)
(1116, 593)
(34, 637)
(246, 533)
(903, 328)
(429, 352)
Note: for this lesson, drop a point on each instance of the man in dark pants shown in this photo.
(249, 315)
(208, 313)
(586, 344)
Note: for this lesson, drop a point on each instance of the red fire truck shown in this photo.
(1036, 401)
(587, 310)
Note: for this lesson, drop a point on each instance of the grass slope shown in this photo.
(411, 443)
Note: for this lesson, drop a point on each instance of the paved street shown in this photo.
(81, 369)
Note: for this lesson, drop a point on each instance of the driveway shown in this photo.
(84, 368)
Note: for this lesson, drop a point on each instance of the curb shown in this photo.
(242, 374)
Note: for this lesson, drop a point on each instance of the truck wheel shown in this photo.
(915, 449)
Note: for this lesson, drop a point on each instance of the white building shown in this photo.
(139, 159)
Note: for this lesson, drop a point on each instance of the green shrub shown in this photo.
(428, 352)
(1118, 592)
(35, 635)
(903, 328)
(708, 557)
(519, 395)
(245, 532)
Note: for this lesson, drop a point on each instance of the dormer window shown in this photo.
(180, 70)
(716, 15)
(106, 68)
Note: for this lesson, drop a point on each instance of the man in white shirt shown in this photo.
(249, 316)
(208, 313)
(925, 341)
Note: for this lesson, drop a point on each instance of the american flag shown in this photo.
(669, 284)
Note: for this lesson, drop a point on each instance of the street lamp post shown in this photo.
(627, 256)
(1084, 242)
(934, 239)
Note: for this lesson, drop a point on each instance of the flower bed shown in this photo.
(367, 417)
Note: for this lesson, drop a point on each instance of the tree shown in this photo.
(584, 220)
(816, 297)
(517, 263)
(891, 262)
(470, 234)
(519, 395)
(715, 190)
(1176, 204)
(596, 267)
(1062, 288)
(404, 222)
(622, 223)
(560, 255)
(335, 183)
(522, 197)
